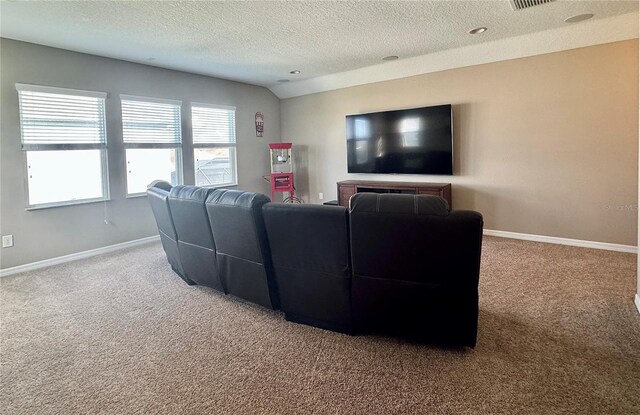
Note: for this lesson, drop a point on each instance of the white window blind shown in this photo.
(152, 135)
(150, 122)
(56, 118)
(64, 140)
(213, 125)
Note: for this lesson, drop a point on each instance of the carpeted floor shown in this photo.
(120, 334)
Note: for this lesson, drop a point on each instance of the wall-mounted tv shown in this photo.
(411, 141)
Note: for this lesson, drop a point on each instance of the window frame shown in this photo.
(175, 146)
(230, 145)
(102, 147)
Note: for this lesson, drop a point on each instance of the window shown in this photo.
(152, 140)
(65, 145)
(214, 142)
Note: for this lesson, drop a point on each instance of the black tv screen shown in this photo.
(411, 141)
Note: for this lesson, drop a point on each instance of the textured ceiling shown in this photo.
(260, 42)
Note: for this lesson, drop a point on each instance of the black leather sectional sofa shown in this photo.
(392, 264)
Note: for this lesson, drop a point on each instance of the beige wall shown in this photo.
(543, 145)
(49, 233)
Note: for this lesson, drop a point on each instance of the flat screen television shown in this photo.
(411, 141)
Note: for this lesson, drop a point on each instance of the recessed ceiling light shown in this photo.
(297, 71)
(390, 58)
(578, 18)
(282, 81)
(477, 30)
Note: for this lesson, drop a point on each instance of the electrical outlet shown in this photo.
(7, 241)
(320, 196)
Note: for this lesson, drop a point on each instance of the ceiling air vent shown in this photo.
(525, 4)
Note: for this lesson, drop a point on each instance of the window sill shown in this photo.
(64, 204)
(213, 186)
(219, 186)
(136, 195)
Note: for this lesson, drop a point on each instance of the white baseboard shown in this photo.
(74, 257)
(638, 302)
(563, 241)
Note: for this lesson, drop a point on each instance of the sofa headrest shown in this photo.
(160, 184)
(305, 209)
(399, 203)
(194, 193)
(237, 198)
(157, 192)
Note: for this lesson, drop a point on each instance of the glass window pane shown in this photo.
(215, 166)
(145, 165)
(64, 175)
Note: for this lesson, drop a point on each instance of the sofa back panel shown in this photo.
(195, 240)
(315, 298)
(173, 255)
(236, 220)
(433, 248)
(190, 215)
(200, 265)
(159, 201)
(422, 311)
(309, 237)
(247, 280)
(415, 267)
(242, 248)
(310, 252)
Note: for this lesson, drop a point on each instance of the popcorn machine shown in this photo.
(281, 170)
